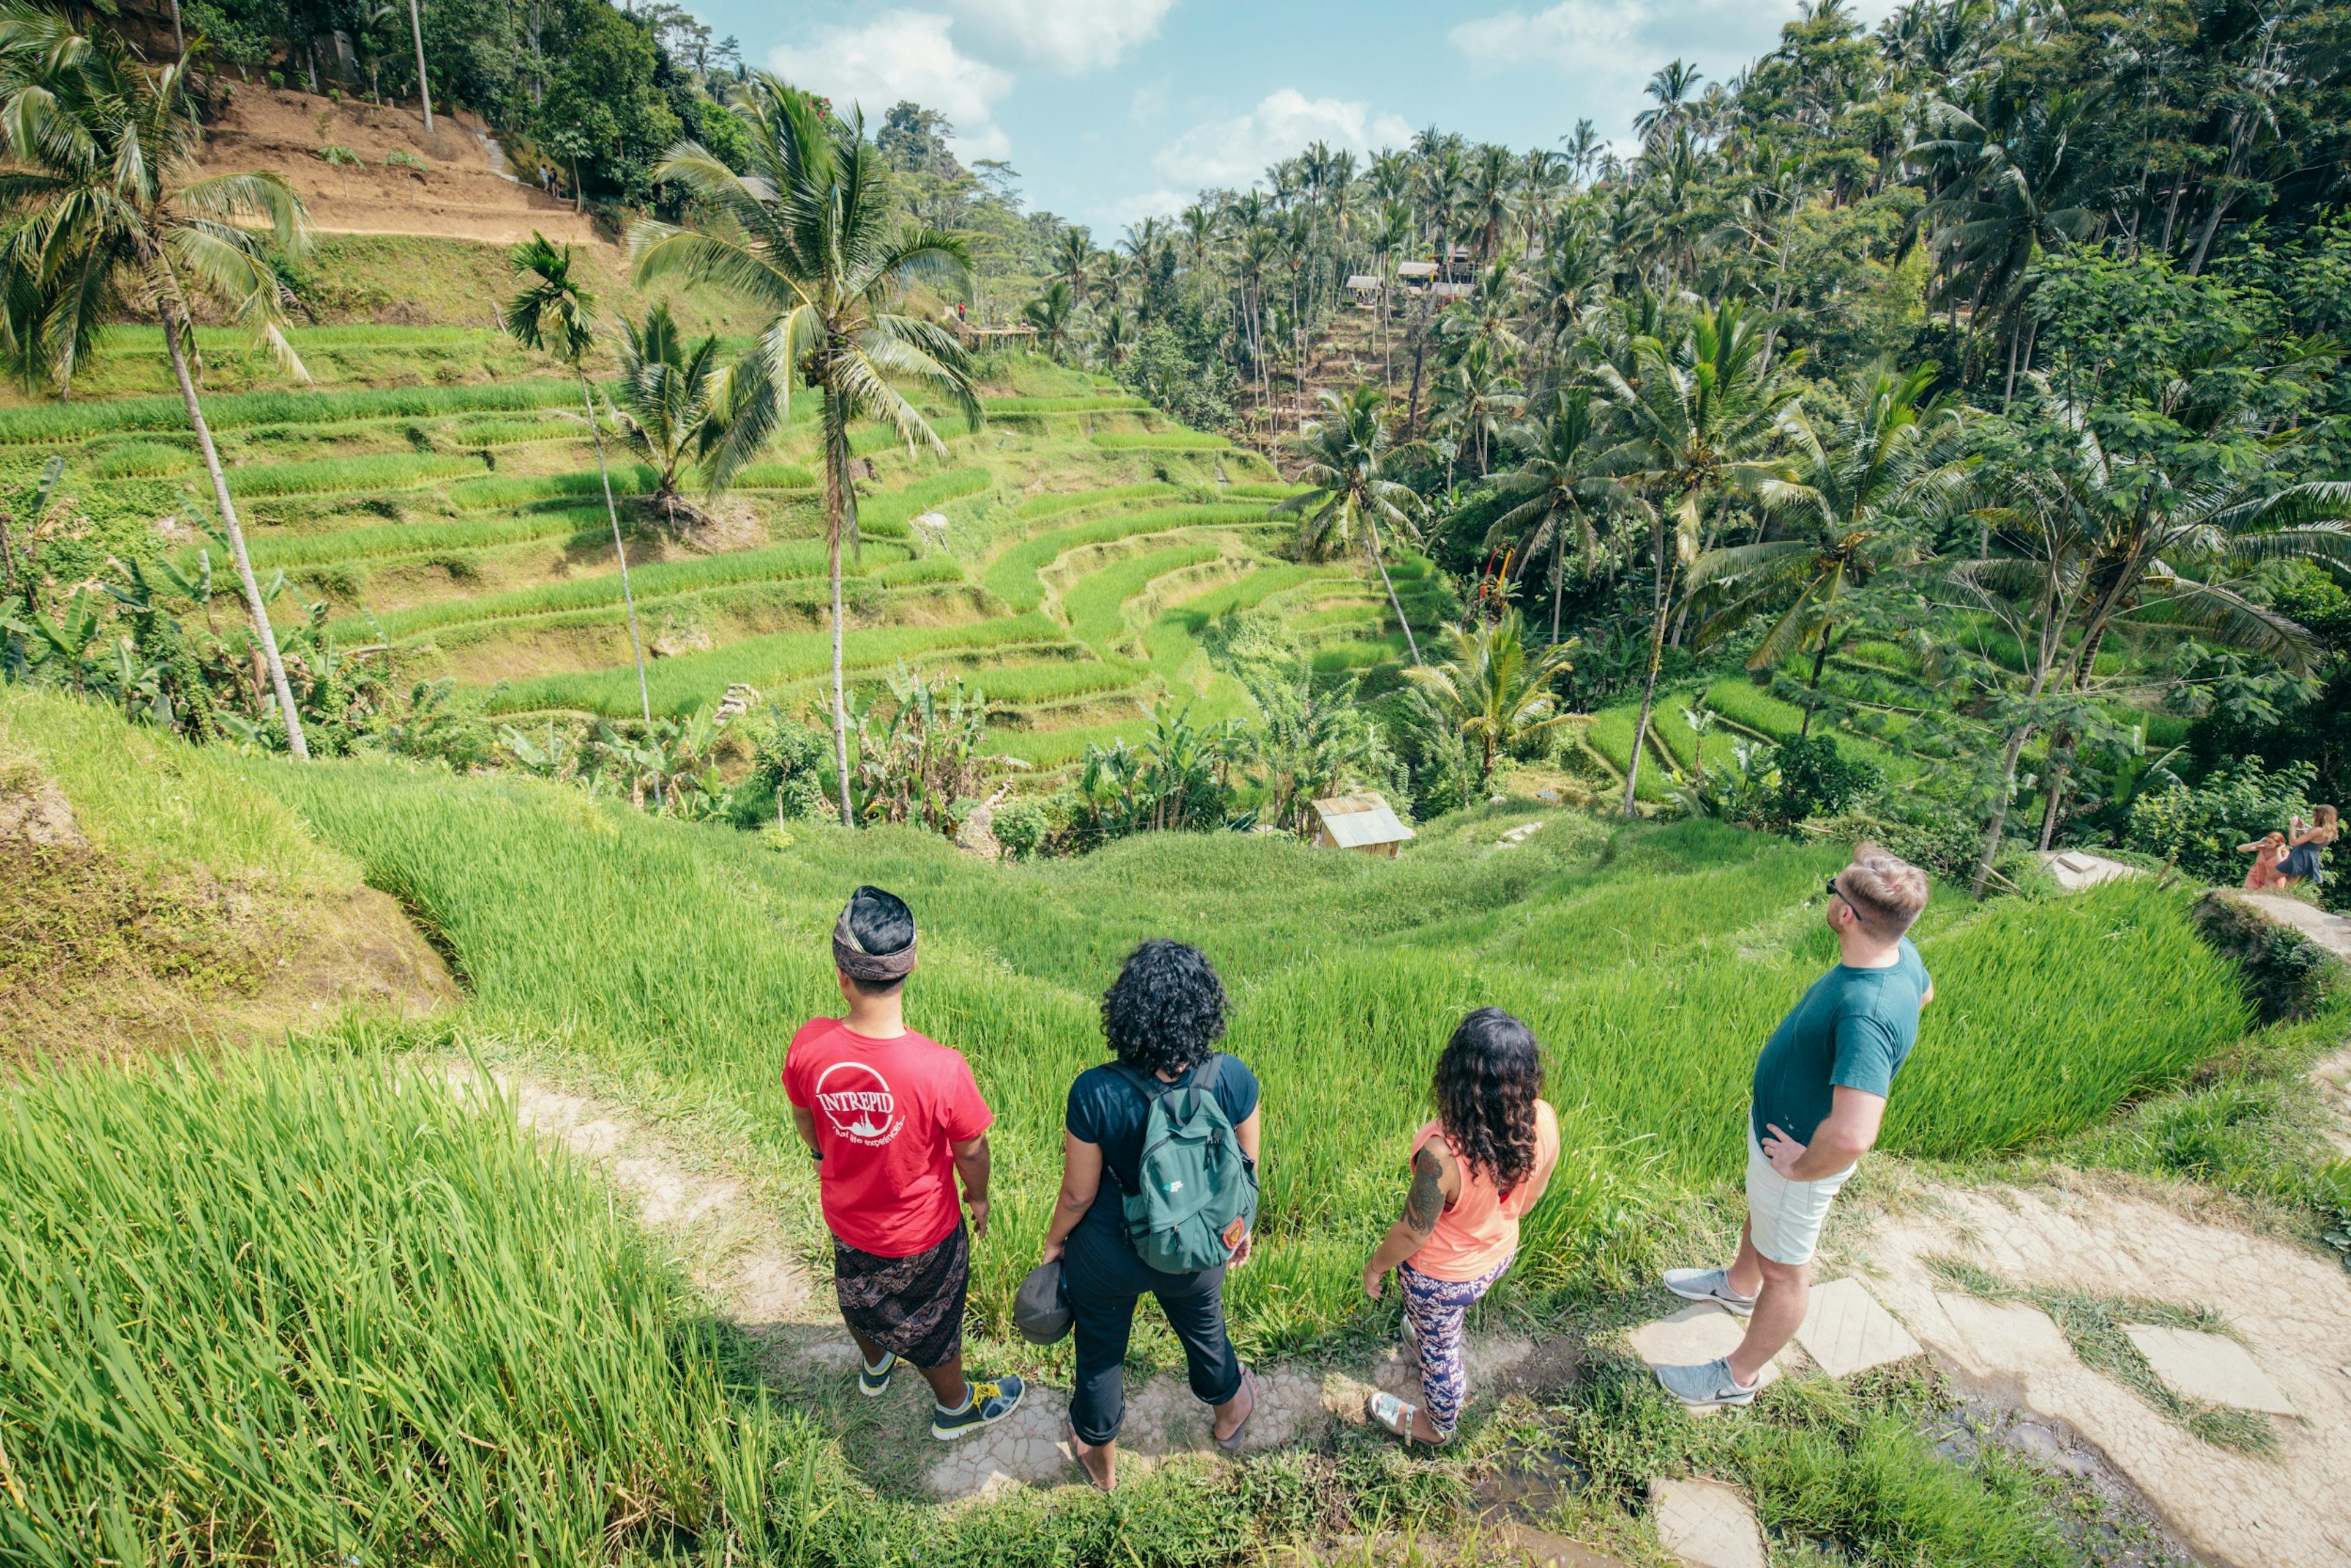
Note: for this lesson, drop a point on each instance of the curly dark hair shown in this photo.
(1165, 1012)
(1486, 1084)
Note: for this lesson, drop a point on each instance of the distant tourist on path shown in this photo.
(894, 1119)
(2306, 846)
(1158, 1196)
(1481, 1165)
(2269, 853)
(1820, 1094)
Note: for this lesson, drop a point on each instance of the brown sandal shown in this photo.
(1232, 1443)
(1077, 1456)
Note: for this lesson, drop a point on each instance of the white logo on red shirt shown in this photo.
(861, 1108)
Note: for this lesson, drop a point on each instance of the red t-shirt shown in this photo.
(885, 1112)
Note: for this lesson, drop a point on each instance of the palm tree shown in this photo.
(1671, 87)
(1890, 459)
(104, 216)
(557, 316)
(1561, 481)
(1478, 394)
(1349, 494)
(1052, 314)
(1490, 689)
(1071, 256)
(821, 258)
(672, 404)
(1704, 414)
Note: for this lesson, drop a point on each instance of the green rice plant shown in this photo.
(1162, 441)
(143, 459)
(312, 1308)
(495, 431)
(496, 492)
(1096, 603)
(418, 538)
(330, 475)
(1053, 681)
(929, 568)
(75, 422)
(804, 558)
(893, 509)
(775, 477)
(694, 681)
(1012, 576)
(1099, 404)
(1068, 501)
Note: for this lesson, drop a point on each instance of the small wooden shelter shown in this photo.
(1361, 821)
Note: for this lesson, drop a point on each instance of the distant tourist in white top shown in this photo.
(1821, 1088)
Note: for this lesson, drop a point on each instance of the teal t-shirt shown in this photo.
(1852, 1029)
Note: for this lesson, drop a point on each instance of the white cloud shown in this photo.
(1149, 204)
(1574, 35)
(1070, 35)
(1236, 152)
(903, 54)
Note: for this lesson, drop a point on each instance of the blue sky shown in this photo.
(1112, 109)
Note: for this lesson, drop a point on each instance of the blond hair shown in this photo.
(1886, 893)
(2323, 816)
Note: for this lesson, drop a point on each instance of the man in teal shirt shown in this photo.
(1821, 1087)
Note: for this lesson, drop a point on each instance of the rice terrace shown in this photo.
(1680, 737)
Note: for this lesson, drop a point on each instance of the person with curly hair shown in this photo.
(1477, 1168)
(1162, 1017)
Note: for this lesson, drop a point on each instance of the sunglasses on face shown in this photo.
(1837, 893)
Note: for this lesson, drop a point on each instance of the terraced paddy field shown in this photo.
(1064, 557)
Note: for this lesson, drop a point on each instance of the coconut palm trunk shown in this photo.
(1379, 559)
(424, 88)
(296, 742)
(1665, 572)
(836, 511)
(620, 551)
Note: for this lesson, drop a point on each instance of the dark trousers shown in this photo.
(1104, 1279)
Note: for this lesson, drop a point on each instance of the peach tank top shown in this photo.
(1479, 1232)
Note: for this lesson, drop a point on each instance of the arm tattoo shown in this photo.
(1426, 1201)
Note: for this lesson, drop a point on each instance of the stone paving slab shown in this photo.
(1845, 1331)
(1541, 1548)
(2075, 869)
(1696, 1334)
(2211, 1367)
(1996, 1338)
(1706, 1524)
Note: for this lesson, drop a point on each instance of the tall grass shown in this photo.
(801, 559)
(1096, 603)
(696, 680)
(1012, 576)
(74, 422)
(1104, 403)
(1055, 506)
(418, 538)
(1161, 441)
(1348, 974)
(391, 471)
(295, 1308)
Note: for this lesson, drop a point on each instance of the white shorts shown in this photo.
(1785, 1217)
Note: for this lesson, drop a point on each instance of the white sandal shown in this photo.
(1392, 1415)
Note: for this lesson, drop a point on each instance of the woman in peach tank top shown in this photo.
(1481, 1165)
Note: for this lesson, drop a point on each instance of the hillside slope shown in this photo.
(461, 193)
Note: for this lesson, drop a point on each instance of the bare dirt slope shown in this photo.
(460, 193)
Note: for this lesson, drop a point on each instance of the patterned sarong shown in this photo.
(913, 1306)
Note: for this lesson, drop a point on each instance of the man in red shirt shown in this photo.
(894, 1119)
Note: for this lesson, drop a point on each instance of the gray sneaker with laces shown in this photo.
(1708, 1387)
(1708, 1285)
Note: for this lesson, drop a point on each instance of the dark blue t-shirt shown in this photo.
(1109, 1111)
(1854, 1028)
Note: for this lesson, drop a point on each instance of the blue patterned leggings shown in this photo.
(1437, 1308)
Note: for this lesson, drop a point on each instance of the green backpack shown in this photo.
(1198, 1196)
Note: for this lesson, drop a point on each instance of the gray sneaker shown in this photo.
(1708, 1387)
(1708, 1285)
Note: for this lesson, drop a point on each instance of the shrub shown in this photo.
(2200, 825)
(401, 158)
(1024, 828)
(786, 782)
(1816, 779)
